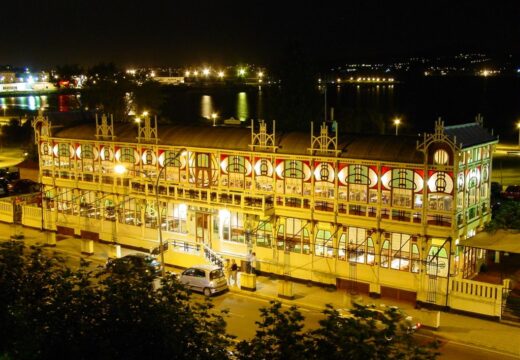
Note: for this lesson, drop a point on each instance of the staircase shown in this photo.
(511, 308)
(212, 256)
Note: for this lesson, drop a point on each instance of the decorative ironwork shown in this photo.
(103, 129)
(41, 126)
(438, 136)
(146, 132)
(324, 143)
(263, 140)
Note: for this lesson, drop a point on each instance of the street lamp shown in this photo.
(120, 169)
(4, 107)
(214, 117)
(396, 123)
(518, 127)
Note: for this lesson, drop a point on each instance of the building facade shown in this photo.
(371, 213)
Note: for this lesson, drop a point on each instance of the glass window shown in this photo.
(324, 243)
(342, 247)
(437, 262)
(264, 233)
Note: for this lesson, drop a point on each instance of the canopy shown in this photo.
(501, 240)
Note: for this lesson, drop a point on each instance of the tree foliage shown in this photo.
(363, 334)
(48, 311)
(507, 217)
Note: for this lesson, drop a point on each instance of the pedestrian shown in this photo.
(253, 263)
(227, 271)
(234, 269)
(248, 262)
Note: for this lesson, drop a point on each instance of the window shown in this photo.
(180, 215)
(296, 237)
(264, 233)
(356, 244)
(400, 252)
(342, 247)
(437, 262)
(127, 156)
(441, 157)
(173, 165)
(324, 243)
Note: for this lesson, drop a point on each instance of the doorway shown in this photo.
(203, 233)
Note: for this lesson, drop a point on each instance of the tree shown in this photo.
(367, 333)
(364, 333)
(49, 311)
(279, 335)
(147, 96)
(506, 216)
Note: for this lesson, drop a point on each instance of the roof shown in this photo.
(501, 240)
(208, 267)
(388, 148)
(471, 134)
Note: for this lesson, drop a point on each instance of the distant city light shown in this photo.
(205, 72)
(221, 74)
(241, 72)
(187, 73)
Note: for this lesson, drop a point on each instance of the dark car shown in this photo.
(134, 261)
(23, 186)
(512, 192)
(4, 187)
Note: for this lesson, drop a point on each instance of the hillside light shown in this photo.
(397, 121)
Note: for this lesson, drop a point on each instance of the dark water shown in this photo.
(368, 107)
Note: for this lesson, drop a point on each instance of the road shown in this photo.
(244, 311)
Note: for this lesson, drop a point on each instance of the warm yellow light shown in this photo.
(260, 74)
(397, 121)
(518, 125)
(339, 80)
(119, 169)
(221, 74)
(205, 72)
(196, 73)
(145, 113)
(187, 73)
(137, 120)
(4, 107)
(214, 116)
(241, 72)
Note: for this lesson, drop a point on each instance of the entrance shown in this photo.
(203, 228)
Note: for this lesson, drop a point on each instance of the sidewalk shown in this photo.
(458, 328)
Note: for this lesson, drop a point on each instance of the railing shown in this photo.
(212, 256)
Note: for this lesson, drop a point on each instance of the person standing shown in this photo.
(248, 262)
(234, 269)
(253, 263)
(227, 271)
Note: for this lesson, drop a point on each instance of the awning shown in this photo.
(501, 240)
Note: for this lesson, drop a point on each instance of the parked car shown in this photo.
(209, 279)
(4, 187)
(512, 192)
(23, 186)
(139, 261)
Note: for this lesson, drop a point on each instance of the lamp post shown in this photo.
(518, 127)
(396, 123)
(120, 169)
(214, 117)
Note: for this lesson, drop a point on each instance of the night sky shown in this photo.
(47, 33)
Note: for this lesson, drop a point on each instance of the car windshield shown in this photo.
(215, 274)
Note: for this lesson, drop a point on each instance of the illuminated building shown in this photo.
(382, 214)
